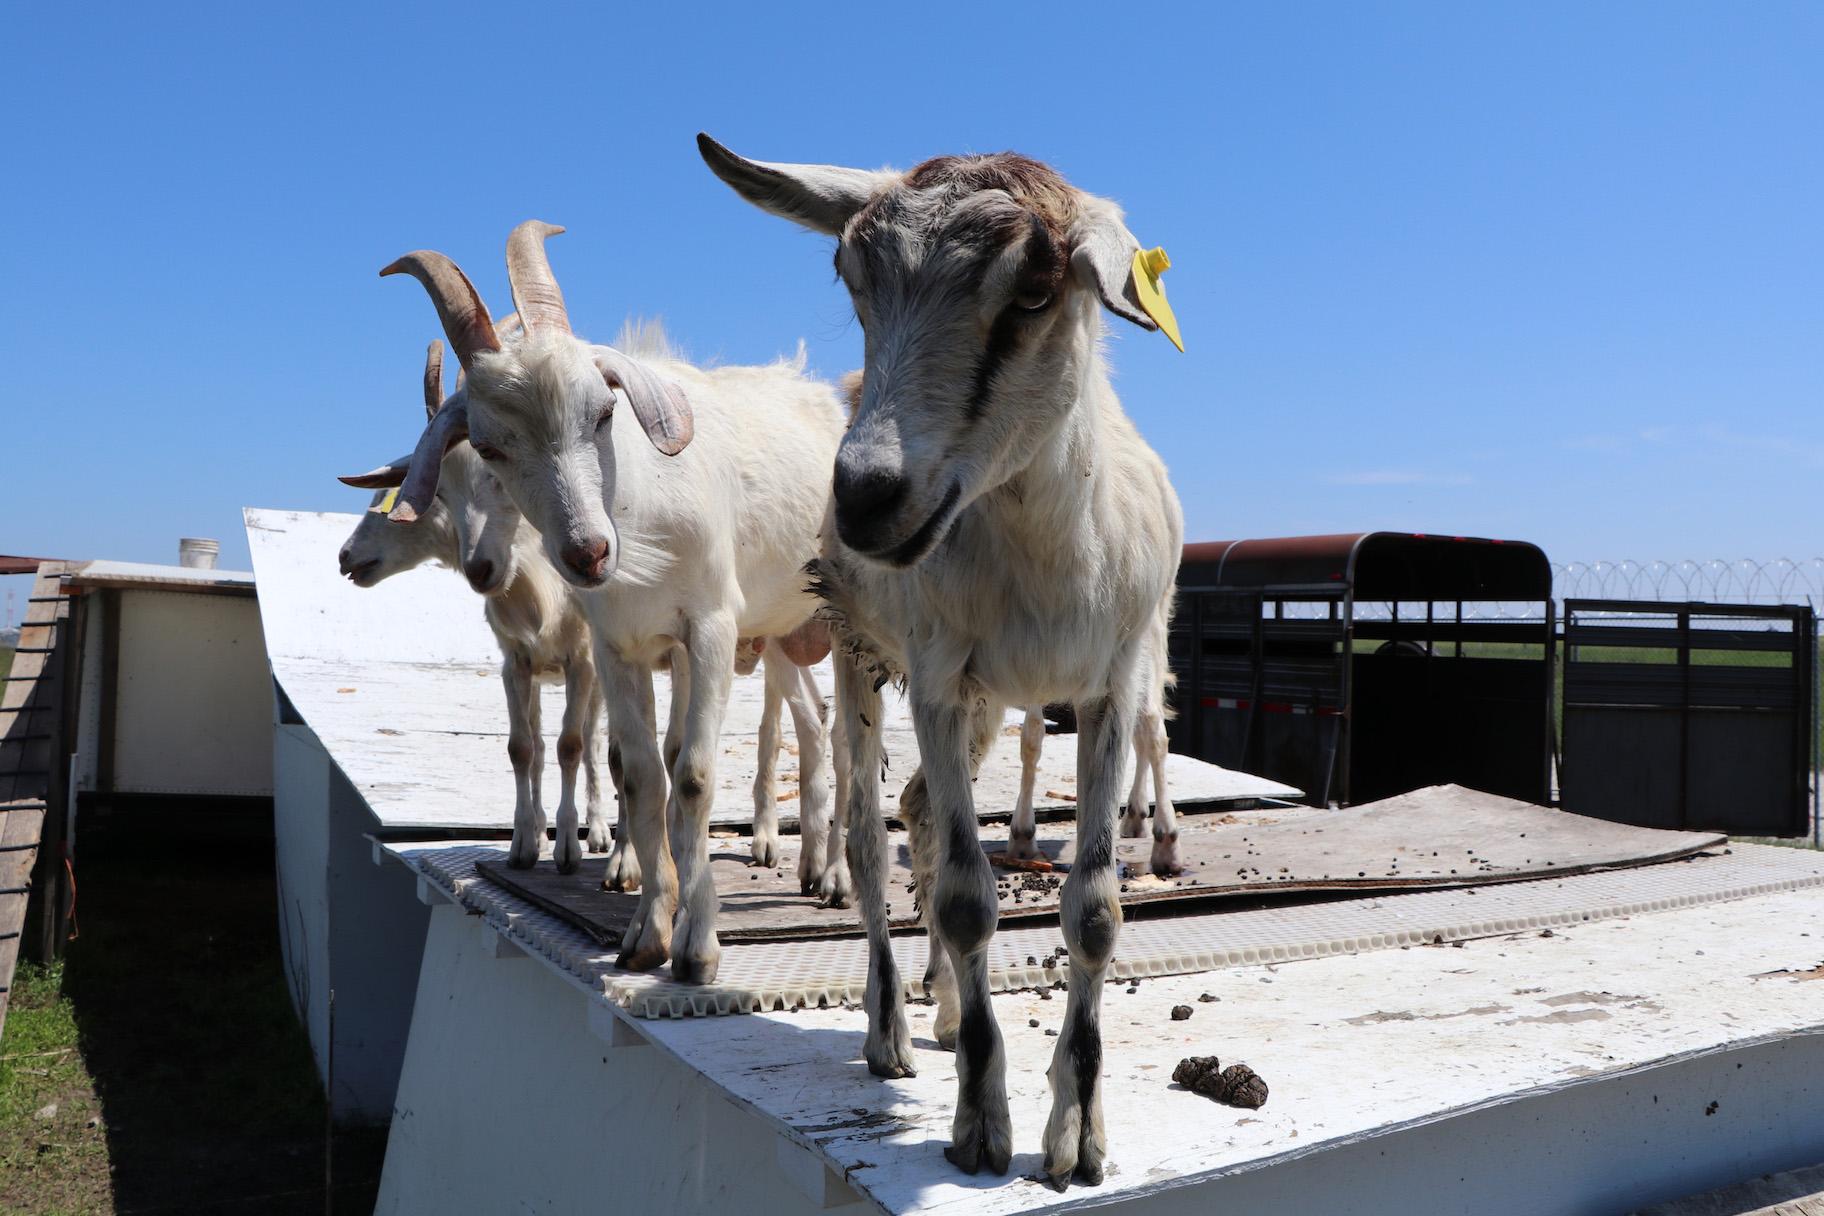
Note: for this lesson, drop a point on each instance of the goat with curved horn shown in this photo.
(448, 427)
(589, 441)
(465, 318)
(433, 377)
(535, 291)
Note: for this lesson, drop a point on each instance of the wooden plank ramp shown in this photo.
(31, 711)
(1793, 1193)
(1442, 836)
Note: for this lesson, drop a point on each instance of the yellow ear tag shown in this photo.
(1149, 264)
(389, 502)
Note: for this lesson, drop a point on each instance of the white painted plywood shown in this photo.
(1350, 1047)
(1353, 1047)
(401, 684)
(426, 615)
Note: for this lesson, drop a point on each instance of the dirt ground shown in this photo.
(158, 1068)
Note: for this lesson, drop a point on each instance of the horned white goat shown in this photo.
(1003, 536)
(542, 631)
(1150, 748)
(724, 472)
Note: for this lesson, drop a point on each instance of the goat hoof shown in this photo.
(892, 1072)
(528, 839)
(695, 970)
(1074, 1146)
(1165, 861)
(766, 852)
(1022, 847)
(623, 872)
(887, 1058)
(981, 1146)
(641, 958)
(601, 840)
(810, 870)
(1133, 826)
(1088, 1175)
(567, 856)
(837, 888)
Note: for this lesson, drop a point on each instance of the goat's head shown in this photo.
(976, 280)
(485, 520)
(378, 548)
(538, 411)
(470, 516)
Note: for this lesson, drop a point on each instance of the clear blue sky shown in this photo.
(1540, 271)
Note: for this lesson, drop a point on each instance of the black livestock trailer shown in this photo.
(1361, 665)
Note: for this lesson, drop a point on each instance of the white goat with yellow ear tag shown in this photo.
(1001, 536)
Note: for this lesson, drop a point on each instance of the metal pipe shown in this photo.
(197, 552)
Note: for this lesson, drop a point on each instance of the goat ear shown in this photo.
(391, 474)
(1102, 258)
(659, 404)
(449, 428)
(848, 388)
(821, 197)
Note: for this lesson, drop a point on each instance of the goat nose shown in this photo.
(481, 573)
(342, 563)
(867, 489)
(587, 560)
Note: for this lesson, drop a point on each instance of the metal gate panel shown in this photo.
(1689, 715)
(1259, 693)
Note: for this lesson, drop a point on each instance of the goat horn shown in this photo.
(535, 291)
(465, 318)
(433, 377)
(418, 488)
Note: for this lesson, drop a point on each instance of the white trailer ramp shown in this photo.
(1591, 1044)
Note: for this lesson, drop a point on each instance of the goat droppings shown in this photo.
(1236, 1085)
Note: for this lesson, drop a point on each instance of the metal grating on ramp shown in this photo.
(785, 975)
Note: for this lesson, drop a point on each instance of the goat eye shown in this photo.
(486, 451)
(1033, 301)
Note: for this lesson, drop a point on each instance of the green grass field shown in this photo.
(53, 1139)
(159, 1068)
